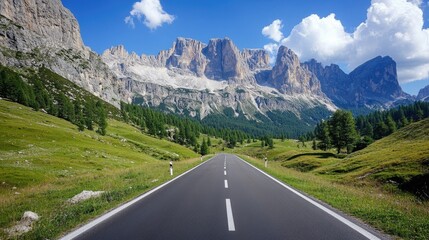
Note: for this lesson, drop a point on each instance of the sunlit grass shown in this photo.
(44, 161)
(365, 184)
(396, 214)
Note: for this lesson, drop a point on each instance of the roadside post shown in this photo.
(266, 161)
(171, 168)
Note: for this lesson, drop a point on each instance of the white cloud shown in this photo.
(392, 27)
(273, 30)
(416, 2)
(272, 49)
(129, 20)
(321, 38)
(151, 10)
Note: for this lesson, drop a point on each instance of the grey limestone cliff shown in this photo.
(290, 77)
(44, 33)
(374, 84)
(423, 94)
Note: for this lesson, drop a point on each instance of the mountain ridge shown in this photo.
(423, 94)
(191, 78)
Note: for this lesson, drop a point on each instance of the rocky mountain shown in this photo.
(333, 81)
(201, 79)
(423, 94)
(40, 32)
(372, 85)
(192, 78)
(290, 77)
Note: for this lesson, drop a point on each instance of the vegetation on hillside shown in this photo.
(342, 131)
(44, 90)
(277, 124)
(180, 129)
(44, 161)
(55, 95)
(385, 184)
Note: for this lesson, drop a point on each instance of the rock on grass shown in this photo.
(24, 225)
(84, 195)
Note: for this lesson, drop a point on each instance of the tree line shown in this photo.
(31, 92)
(182, 130)
(342, 131)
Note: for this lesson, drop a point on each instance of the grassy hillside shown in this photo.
(44, 161)
(398, 160)
(386, 184)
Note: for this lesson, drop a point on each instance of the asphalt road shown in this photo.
(225, 198)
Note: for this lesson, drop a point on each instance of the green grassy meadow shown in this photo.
(372, 184)
(45, 160)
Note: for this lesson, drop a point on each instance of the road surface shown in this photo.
(225, 198)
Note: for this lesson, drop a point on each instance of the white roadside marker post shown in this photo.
(171, 168)
(266, 162)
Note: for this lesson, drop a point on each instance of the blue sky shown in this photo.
(103, 25)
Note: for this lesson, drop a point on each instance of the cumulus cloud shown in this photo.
(151, 10)
(392, 27)
(395, 28)
(321, 38)
(273, 30)
(272, 49)
(416, 2)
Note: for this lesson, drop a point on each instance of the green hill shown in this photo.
(45, 160)
(400, 159)
(385, 184)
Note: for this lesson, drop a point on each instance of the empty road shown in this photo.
(225, 198)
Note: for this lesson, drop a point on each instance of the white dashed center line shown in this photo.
(226, 183)
(231, 225)
(224, 173)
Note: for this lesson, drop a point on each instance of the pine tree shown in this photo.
(101, 118)
(196, 147)
(381, 130)
(270, 143)
(193, 140)
(209, 142)
(323, 135)
(204, 148)
(343, 130)
(88, 113)
(367, 129)
(391, 125)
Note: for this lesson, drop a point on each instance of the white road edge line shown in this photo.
(320, 206)
(104, 217)
(226, 183)
(224, 173)
(231, 225)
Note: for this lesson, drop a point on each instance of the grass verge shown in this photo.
(44, 161)
(398, 215)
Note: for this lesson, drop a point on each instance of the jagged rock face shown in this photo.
(43, 32)
(290, 77)
(373, 84)
(257, 59)
(187, 54)
(55, 25)
(423, 94)
(377, 78)
(224, 60)
(190, 101)
(219, 60)
(334, 82)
